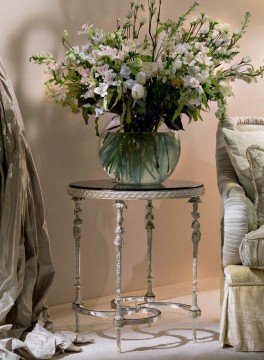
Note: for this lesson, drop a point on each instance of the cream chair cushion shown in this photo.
(237, 143)
(252, 249)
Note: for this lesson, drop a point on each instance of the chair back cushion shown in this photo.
(225, 168)
(237, 143)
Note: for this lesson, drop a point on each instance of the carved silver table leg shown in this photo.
(119, 320)
(77, 237)
(195, 311)
(149, 227)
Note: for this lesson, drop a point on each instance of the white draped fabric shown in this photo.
(26, 269)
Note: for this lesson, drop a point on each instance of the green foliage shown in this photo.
(178, 68)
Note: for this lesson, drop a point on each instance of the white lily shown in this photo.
(138, 91)
(101, 89)
(125, 71)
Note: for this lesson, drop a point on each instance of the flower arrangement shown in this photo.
(176, 68)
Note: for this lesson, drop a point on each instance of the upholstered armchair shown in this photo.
(242, 318)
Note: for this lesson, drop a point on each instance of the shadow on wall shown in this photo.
(17, 52)
(88, 10)
(82, 8)
(64, 150)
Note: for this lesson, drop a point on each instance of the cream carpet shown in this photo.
(169, 338)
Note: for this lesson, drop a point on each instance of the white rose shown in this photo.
(226, 88)
(206, 18)
(226, 38)
(141, 78)
(222, 27)
(215, 34)
(177, 64)
(196, 19)
(194, 83)
(180, 49)
(189, 56)
(203, 76)
(204, 30)
(225, 27)
(191, 82)
(219, 42)
(197, 45)
(196, 69)
(138, 91)
(199, 58)
(208, 61)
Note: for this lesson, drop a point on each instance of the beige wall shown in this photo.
(65, 150)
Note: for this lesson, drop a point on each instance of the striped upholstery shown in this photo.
(242, 315)
(235, 220)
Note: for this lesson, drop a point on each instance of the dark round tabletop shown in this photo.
(107, 189)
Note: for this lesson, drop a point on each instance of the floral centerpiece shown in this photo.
(176, 67)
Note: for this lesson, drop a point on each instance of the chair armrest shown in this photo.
(235, 220)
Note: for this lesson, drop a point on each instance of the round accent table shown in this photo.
(146, 304)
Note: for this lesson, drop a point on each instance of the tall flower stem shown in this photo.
(157, 25)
